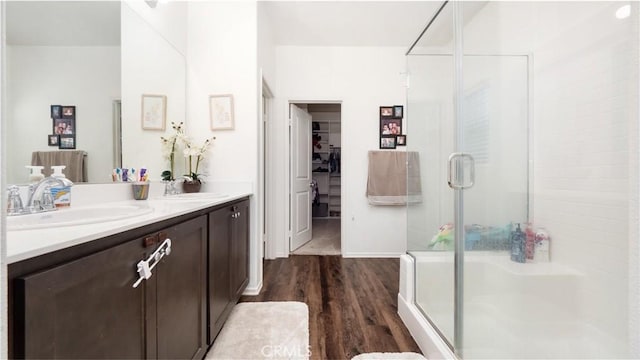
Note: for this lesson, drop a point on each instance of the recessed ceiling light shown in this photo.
(623, 12)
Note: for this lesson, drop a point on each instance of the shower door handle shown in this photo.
(456, 178)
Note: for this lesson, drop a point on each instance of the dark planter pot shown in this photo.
(191, 186)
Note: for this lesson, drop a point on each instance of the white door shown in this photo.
(301, 177)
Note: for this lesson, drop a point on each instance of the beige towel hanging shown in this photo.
(74, 160)
(388, 182)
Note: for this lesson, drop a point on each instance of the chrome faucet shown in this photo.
(40, 198)
(14, 201)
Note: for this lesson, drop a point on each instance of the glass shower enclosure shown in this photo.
(520, 113)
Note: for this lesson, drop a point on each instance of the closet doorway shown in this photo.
(326, 173)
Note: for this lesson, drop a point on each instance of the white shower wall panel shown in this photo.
(583, 100)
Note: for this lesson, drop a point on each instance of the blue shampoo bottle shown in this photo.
(518, 245)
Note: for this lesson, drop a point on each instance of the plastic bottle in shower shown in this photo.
(542, 246)
(530, 237)
(518, 241)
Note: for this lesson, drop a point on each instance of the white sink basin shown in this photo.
(76, 216)
(195, 196)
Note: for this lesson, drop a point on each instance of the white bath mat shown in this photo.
(264, 330)
(389, 356)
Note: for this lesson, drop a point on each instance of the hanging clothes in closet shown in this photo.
(334, 160)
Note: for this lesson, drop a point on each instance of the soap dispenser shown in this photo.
(518, 242)
(61, 194)
(57, 171)
(35, 173)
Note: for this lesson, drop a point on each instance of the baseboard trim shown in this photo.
(254, 290)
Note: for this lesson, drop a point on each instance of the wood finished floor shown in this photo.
(352, 302)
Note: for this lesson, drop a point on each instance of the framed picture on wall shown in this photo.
(388, 142)
(53, 139)
(67, 142)
(398, 111)
(401, 140)
(154, 112)
(64, 126)
(221, 112)
(56, 111)
(386, 111)
(390, 126)
(68, 112)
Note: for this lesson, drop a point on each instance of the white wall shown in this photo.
(266, 46)
(363, 78)
(222, 56)
(41, 76)
(150, 65)
(168, 19)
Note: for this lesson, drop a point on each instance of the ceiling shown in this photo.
(348, 23)
(295, 23)
(63, 23)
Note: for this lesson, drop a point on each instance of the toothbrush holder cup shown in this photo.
(140, 190)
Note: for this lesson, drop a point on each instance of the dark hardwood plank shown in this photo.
(352, 302)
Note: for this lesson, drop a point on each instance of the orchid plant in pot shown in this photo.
(169, 149)
(192, 180)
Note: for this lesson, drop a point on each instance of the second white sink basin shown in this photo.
(76, 216)
(195, 196)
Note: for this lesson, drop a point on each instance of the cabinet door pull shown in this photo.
(144, 267)
(150, 241)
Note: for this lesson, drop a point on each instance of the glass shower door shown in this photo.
(495, 133)
(468, 116)
(430, 223)
(430, 122)
(493, 128)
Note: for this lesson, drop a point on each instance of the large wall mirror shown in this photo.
(101, 57)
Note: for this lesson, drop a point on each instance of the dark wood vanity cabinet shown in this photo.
(181, 293)
(87, 308)
(228, 262)
(80, 303)
(84, 309)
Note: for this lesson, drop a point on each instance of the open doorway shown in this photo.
(326, 177)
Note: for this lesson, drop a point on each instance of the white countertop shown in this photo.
(25, 244)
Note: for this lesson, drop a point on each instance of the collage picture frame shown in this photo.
(63, 131)
(390, 127)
